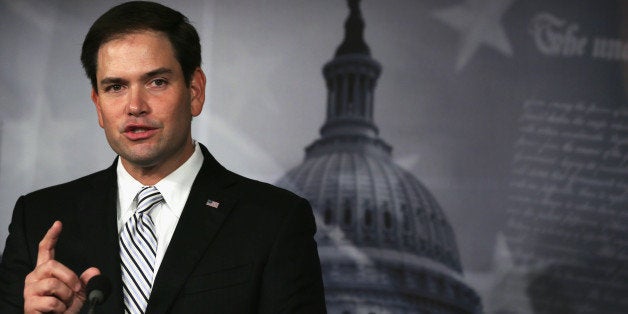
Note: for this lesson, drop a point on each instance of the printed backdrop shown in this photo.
(511, 112)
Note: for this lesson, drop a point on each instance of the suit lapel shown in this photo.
(197, 226)
(99, 223)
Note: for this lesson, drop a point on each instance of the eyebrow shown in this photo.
(156, 72)
(145, 76)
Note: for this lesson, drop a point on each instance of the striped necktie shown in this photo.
(138, 246)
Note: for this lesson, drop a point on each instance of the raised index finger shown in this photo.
(47, 244)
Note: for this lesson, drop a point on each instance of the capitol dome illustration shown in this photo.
(385, 244)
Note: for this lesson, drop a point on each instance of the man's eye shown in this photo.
(159, 82)
(113, 88)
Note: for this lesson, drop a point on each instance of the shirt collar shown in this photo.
(175, 187)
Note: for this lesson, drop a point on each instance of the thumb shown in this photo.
(85, 277)
(88, 274)
(80, 297)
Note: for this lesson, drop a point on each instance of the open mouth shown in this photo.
(139, 132)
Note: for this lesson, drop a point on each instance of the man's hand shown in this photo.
(51, 286)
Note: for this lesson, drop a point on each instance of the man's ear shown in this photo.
(96, 102)
(197, 91)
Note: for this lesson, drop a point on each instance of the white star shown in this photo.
(478, 21)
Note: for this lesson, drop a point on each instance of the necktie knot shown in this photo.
(147, 198)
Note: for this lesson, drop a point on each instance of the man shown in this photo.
(172, 229)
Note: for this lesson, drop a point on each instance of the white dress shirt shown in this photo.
(175, 189)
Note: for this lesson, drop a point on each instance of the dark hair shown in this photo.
(136, 16)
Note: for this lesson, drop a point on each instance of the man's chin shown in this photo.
(143, 160)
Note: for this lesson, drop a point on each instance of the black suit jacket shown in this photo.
(254, 253)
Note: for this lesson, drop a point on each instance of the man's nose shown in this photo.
(137, 105)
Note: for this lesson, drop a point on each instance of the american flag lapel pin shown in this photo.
(212, 204)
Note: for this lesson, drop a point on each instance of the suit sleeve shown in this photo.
(292, 280)
(16, 263)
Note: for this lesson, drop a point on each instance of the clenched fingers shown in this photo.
(45, 304)
(54, 269)
(42, 291)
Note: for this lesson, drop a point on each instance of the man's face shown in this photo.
(143, 103)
